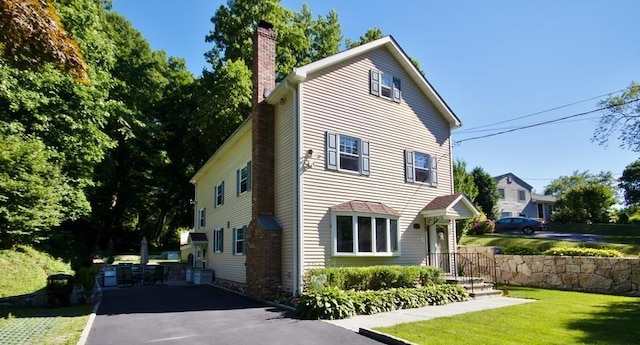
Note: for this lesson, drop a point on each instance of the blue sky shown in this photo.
(490, 60)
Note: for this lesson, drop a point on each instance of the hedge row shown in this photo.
(374, 277)
(562, 251)
(333, 303)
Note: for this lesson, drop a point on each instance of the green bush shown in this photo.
(634, 219)
(580, 251)
(521, 250)
(332, 303)
(376, 277)
(481, 225)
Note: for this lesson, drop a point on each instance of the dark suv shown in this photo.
(526, 225)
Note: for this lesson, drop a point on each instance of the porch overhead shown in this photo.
(198, 238)
(365, 207)
(448, 207)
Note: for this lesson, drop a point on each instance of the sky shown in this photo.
(491, 61)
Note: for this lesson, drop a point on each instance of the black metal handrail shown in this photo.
(465, 267)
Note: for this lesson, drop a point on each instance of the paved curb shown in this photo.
(87, 328)
(271, 303)
(383, 337)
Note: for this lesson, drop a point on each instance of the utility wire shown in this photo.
(544, 122)
(503, 128)
(473, 129)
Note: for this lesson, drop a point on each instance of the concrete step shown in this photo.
(479, 294)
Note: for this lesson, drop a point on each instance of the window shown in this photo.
(218, 240)
(346, 153)
(243, 180)
(501, 193)
(365, 235)
(218, 195)
(384, 85)
(239, 240)
(203, 215)
(505, 214)
(521, 195)
(421, 168)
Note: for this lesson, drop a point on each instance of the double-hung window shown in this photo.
(243, 179)
(345, 153)
(239, 240)
(218, 240)
(365, 235)
(385, 85)
(218, 195)
(421, 168)
(521, 195)
(202, 216)
(501, 193)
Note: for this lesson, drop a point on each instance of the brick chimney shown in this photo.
(264, 257)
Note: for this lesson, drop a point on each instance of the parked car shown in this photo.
(526, 225)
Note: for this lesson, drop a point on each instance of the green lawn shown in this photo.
(608, 229)
(557, 317)
(46, 326)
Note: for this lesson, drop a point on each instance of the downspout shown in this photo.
(453, 224)
(296, 232)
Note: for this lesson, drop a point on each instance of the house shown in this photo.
(517, 199)
(345, 162)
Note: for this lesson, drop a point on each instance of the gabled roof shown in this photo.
(542, 198)
(358, 206)
(443, 206)
(516, 178)
(300, 74)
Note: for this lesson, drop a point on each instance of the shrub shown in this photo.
(332, 303)
(635, 219)
(521, 250)
(481, 225)
(580, 251)
(376, 277)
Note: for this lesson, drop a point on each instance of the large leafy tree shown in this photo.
(487, 198)
(463, 181)
(621, 117)
(629, 182)
(582, 197)
(563, 184)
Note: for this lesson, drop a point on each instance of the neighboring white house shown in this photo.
(345, 162)
(517, 199)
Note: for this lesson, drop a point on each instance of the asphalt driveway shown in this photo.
(202, 314)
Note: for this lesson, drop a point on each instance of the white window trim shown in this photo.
(218, 243)
(375, 86)
(218, 193)
(239, 179)
(373, 253)
(235, 241)
(332, 147)
(202, 218)
(524, 193)
(410, 168)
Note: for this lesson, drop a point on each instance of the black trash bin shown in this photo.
(59, 288)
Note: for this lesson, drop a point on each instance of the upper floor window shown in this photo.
(202, 216)
(366, 235)
(239, 240)
(384, 85)
(501, 193)
(218, 238)
(243, 179)
(218, 195)
(347, 153)
(521, 195)
(421, 168)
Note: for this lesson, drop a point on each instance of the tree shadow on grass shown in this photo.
(616, 324)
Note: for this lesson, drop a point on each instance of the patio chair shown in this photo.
(158, 275)
(127, 277)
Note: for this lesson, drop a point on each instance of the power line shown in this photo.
(503, 128)
(544, 122)
(472, 129)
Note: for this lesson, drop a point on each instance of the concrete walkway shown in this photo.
(419, 314)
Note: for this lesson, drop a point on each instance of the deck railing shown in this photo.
(465, 267)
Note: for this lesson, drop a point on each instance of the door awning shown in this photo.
(448, 207)
(198, 238)
(358, 206)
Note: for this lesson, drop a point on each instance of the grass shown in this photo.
(608, 229)
(25, 270)
(557, 317)
(35, 325)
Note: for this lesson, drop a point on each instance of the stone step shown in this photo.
(485, 294)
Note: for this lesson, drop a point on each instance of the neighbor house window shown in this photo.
(243, 179)
(239, 240)
(218, 240)
(501, 193)
(218, 195)
(521, 195)
(202, 216)
(384, 85)
(365, 235)
(420, 168)
(345, 153)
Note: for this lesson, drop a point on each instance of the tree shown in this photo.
(585, 203)
(463, 181)
(369, 36)
(629, 182)
(488, 196)
(31, 34)
(621, 115)
(563, 184)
